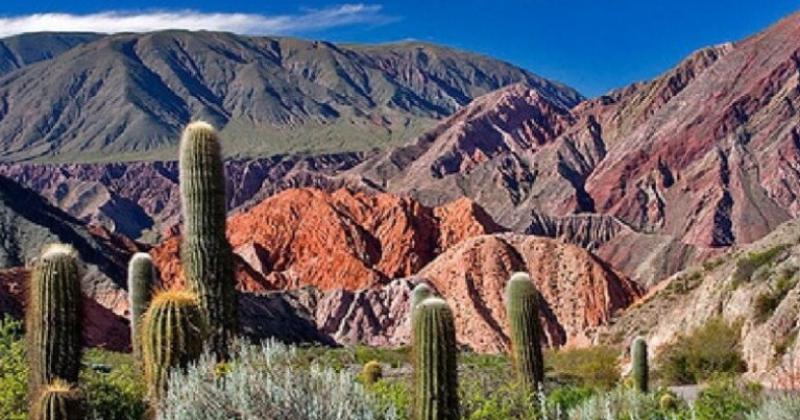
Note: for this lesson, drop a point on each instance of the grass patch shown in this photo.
(594, 367)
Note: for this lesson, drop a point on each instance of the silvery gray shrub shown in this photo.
(266, 382)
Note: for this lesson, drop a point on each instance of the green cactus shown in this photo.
(434, 361)
(372, 372)
(54, 318)
(59, 401)
(173, 333)
(141, 280)
(522, 306)
(639, 368)
(205, 252)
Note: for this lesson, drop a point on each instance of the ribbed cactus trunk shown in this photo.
(522, 306)
(54, 318)
(206, 255)
(434, 356)
(639, 368)
(59, 401)
(141, 281)
(173, 333)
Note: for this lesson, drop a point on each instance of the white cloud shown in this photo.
(243, 23)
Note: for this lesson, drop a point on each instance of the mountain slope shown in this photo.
(706, 155)
(128, 95)
(733, 286)
(28, 223)
(18, 51)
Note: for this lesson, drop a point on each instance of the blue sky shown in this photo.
(593, 46)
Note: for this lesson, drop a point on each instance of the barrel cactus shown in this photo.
(206, 255)
(639, 368)
(173, 333)
(372, 372)
(141, 281)
(434, 361)
(54, 317)
(59, 401)
(522, 306)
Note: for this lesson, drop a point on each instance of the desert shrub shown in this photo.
(392, 394)
(113, 387)
(569, 396)
(747, 265)
(786, 407)
(767, 302)
(724, 399)
(506, 401)
(623, 403)
(13, 371)
(265, 381)
(685, 283)
(710, 349)
(344, 357)
(591, 366)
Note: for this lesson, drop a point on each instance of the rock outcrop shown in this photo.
(733, 286)
(308, 237)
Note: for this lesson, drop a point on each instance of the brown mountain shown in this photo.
(126, 96)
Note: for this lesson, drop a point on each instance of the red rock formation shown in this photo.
(338, 240)
(581, 292)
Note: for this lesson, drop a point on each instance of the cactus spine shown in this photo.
(522, 303)
(421, 292)
(141, 280)
(205, 252)
(59, 401)
(173, 332)
(434, 356)
(639, 369)
(54, 318)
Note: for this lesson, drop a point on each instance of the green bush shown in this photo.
(710, 349)
(767, 302)
(724, 399)
(568, 397)
(594, 367)
(393, 394)
(747, 265)
(113, 386)
(13, 371)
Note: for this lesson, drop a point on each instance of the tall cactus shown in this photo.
(639, 367)
(421, 292)
(141, 281)
(54, 318)
(434, 357)
(522, 303)
(205, 252)
(59, 401)
(173, 332)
